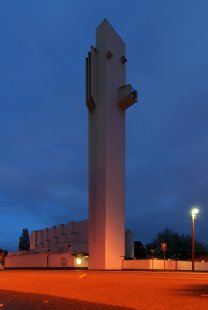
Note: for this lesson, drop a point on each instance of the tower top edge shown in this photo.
(105, 24)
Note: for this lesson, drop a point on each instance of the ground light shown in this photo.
(78, 261)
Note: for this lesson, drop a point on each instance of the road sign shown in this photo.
(163, 246)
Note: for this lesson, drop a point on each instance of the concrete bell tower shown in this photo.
(107, 98)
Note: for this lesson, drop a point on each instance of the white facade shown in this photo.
(64, 245)
(71, 237)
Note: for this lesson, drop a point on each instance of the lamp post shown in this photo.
(194, 212)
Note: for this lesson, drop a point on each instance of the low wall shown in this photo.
(61, 260)
(157, 264)
(26, 261)
(65, 260)
(201, 266)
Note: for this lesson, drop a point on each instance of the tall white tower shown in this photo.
(107, 97)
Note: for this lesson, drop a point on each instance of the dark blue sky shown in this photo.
(43, 118)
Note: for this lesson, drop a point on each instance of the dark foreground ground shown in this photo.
(17, 301)
(20, 290)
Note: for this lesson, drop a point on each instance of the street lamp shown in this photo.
(194, 212)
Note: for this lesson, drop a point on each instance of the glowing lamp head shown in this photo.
(194, 212)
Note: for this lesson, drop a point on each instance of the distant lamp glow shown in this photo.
(78, 261)
(194, 212)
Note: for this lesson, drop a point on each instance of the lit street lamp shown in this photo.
(194, 212)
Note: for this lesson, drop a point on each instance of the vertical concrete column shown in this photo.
(105, 76)
(33, 240)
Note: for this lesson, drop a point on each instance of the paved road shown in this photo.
(103, 290)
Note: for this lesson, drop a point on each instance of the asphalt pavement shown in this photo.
(21, 290)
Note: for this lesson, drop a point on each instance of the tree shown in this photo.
(3, 253)
(139, 250)
(24, 240)
(178, 246)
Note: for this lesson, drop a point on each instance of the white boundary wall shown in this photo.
(156, 264)
(43, 260)
(63, 260)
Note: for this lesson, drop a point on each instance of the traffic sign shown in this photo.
(163, 246)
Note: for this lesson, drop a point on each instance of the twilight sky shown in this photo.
(43, 118)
